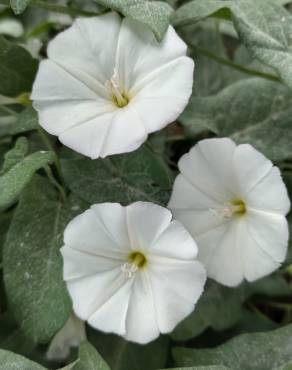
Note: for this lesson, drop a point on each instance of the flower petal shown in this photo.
(250, 167)
(225, 264)
(199, 221)
(126, 133)
(83, 50)
(271, 233)
(146, 221)
(270, 194)
(111, 133)
(187, 196)
(111, 316)
(139, 53)
(176, 285)
(100, 231)
(53, 83)
(256, 262)
(160, 97)
(81, 264)
(206, 171)
(174, 242)
(88, 138)
(90, 293)
(59, 116)
(141, 321)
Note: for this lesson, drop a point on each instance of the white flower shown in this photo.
(71, 335)
(233, 202)
(108, 83)
(131, 270)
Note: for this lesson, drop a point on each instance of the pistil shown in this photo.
(233, 208)
(119, 98)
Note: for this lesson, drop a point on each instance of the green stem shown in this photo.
(48, 144)
(257, 311)
(7, 100)
(283, 306)
(11, 112)
(55, 182)
(252, 72)
(172, 138)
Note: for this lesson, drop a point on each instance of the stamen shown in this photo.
(136, 261)
(129, 270)
(234, 208)
(113, 87)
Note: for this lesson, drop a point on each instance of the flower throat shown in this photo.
(119, 98)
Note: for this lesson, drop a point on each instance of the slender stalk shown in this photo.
(253, 72)
(55, 182)
(175, 138)
(7, 100)
(9, 111)
(48, 144)
(283, 306)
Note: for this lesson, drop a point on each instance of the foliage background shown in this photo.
(243, 81)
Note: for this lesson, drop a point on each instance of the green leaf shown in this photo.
(32, 262)
(18, 6)
(12, 338)
(123, 355)
(197, 10)
(14, 181)
(12, 361)
(266, 28)
(26, 121)
(257, 351)
(155, 14)
(253, 111)
(219, 367)
(141, 175)
(17, 69)
(15, 155)
(219, 307)
(89, 358)
(5, 219)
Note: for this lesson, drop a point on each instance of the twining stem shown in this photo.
(283, 306)
(9, 111)
(48, 144)
(253, 72)
(55, 182)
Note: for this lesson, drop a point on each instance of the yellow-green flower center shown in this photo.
(235, 207)
(138, 259)
(238, 207)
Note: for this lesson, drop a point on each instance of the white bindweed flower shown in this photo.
(233, 202)
(71, 335)
(131, 270)
(108, 83)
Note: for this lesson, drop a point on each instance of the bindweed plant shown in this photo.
(145, 182)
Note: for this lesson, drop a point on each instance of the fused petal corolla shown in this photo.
(131, 270)
(233, 201)
(108, 83)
